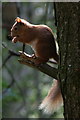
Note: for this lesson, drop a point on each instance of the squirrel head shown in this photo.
(18, 29)
(22, 31)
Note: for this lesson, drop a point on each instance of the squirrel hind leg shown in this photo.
(39, 60)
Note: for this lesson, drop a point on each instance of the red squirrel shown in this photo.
(41, 39)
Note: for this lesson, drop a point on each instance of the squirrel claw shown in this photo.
(25, 56)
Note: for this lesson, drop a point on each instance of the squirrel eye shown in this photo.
(15, 28)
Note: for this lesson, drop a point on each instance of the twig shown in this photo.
(55, 13)
(6, 59)
(11, 53)
(12, 82)
(23, 47)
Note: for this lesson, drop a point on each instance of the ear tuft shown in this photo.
(18, 20)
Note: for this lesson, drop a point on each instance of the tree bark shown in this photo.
(69, 49)
(67, 15)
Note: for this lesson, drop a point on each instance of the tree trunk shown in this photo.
(69, 48)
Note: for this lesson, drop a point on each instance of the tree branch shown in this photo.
(45, 68)
(11, 53)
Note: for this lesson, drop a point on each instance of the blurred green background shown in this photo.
(23, 87)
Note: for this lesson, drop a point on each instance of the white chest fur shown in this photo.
(33, 44)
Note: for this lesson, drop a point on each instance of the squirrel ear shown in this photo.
(18, 20)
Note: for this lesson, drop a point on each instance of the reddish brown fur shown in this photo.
(45, 46)
(41, 38)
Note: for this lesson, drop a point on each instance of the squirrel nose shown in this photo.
(11, 30)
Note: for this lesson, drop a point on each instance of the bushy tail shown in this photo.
(53, 100)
